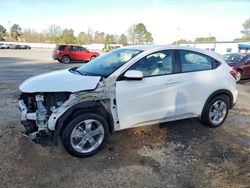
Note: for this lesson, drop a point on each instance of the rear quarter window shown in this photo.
(60, 47)
(192, 61)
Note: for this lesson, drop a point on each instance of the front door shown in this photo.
(153, 97)
(84, 53)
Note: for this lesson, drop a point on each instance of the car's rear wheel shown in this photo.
(85, 134)
(65, 59)
(238, 75)
(215, 111)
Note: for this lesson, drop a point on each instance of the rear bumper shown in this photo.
(56, 57)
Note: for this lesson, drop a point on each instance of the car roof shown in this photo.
(154, 48)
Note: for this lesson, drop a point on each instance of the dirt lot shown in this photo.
(176, 154)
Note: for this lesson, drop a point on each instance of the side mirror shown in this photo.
(133, 75)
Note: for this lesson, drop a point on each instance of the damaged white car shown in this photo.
(127, 87)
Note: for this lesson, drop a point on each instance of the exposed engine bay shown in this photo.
(36, 109)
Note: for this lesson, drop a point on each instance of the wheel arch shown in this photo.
(89, 107)
(93, 55)
(66, 55)
(219, 92)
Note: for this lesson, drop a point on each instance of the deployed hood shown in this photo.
(59, 81)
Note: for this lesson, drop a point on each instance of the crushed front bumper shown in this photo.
(32, 131)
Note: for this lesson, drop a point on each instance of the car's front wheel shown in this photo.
(65, 59)
(85, 134)
(215, 111)
(93, 57)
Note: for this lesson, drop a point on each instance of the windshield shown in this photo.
(233, 57)
(106, 64)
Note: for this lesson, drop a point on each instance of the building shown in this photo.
(222, 47)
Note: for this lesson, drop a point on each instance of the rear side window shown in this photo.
(192, 61)
(60, 47)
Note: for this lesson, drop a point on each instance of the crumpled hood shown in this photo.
(59, 81)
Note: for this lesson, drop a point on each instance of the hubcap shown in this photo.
(66, 59)
(87, 136)
(217, 112)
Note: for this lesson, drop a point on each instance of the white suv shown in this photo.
(127, 87)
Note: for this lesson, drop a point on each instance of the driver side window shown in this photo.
(156, 64)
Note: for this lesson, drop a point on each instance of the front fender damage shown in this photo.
(47, 122)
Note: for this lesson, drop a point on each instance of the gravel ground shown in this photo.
(176, 154)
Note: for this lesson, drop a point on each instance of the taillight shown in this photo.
(233, 73)
(57, 52)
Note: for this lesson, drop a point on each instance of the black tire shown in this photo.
(238, 75)
(93, 57)
(207, 119)
(65, 59)
(74, 123)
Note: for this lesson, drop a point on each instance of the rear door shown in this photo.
(75, 53)
(153, 97)
(197, 81)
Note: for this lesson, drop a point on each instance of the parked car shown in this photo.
(239, 62)
(4, 46)
(127, 87)
(68, 53)
(25, 47)
(14, 46)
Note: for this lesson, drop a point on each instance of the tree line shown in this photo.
(245, 35)
(136, 34)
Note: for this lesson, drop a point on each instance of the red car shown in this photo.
(67, 53)
(239, 62)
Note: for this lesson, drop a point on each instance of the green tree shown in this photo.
(148, 38)
(2, 32)
(241, 39)
(107, 41)
(123, 40)
(138, 34)
(82, 38)
(181, 41)
(205, 39)
(68, 36)
(15, 31)
(246, 29)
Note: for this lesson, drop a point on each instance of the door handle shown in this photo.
(170, 82)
